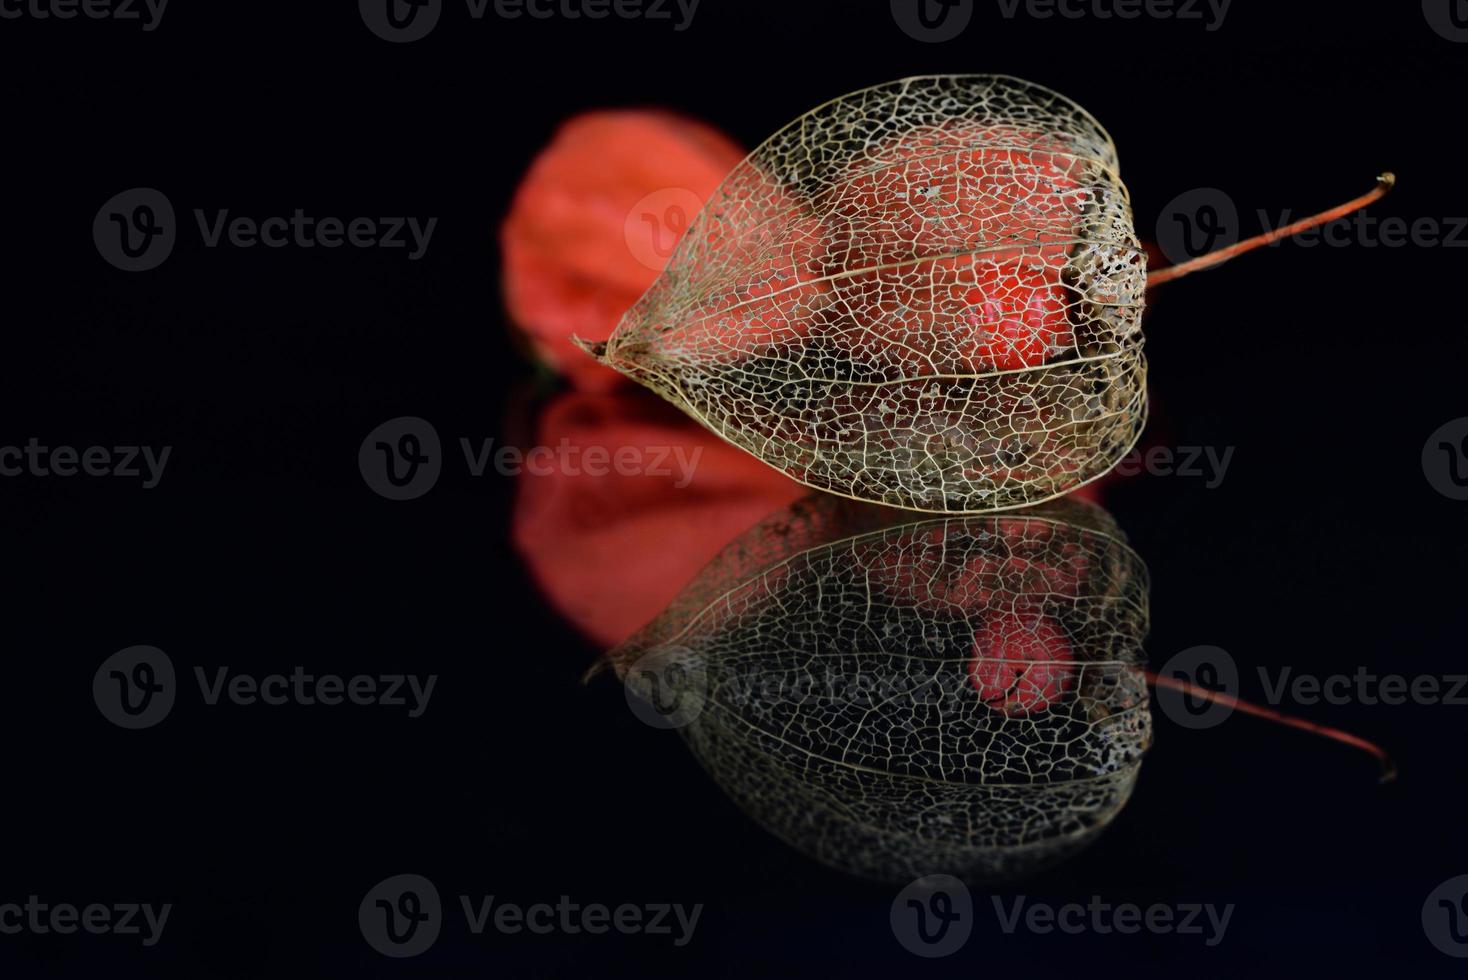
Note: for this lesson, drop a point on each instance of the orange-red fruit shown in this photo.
(966, 245)
(576, 255)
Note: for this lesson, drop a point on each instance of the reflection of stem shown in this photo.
(1384, 183)
(1388, 767)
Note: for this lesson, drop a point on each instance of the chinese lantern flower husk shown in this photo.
(926, 294)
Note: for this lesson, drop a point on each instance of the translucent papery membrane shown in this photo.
(896, 828)
(962, 695)
(935, 728)
(954, 443)
(957, 253)
(907, 689)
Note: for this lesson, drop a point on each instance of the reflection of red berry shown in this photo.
(1022, 662)
(932, 571)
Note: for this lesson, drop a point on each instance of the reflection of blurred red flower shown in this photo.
(575, 255)
(611, 551)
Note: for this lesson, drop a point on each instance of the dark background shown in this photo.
(1325, 548)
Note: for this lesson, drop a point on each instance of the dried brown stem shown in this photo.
(1384, 183)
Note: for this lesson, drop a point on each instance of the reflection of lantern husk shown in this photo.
(1044, 785)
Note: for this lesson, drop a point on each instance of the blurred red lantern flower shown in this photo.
(593, 222)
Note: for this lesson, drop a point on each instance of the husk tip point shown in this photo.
(596, 348)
